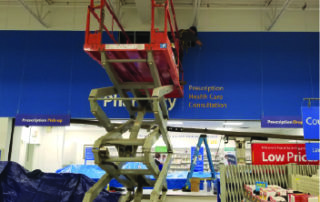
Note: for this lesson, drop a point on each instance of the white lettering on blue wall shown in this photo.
(311, 121)
(120, 103)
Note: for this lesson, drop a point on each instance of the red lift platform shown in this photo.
(143, 75)
(131, 62)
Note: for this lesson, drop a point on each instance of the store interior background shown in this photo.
(269, 71)
(51, 148)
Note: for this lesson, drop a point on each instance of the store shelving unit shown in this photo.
(182, 158)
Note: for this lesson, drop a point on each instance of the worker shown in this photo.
(163, 158)
(188, 38)
(157, 160)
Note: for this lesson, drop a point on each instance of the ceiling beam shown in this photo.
(49, 2)
(268, 2)
(230, 7)
(275, 20)
(37, 17)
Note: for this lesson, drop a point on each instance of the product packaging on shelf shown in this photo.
(277, 199)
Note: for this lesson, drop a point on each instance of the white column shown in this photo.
(5, 133)
(48, 154)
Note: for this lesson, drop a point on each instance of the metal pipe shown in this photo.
(124, 159)
(208, 131)
(11, 138)
(311, 98)
(33, 14)
(132, 6)
(225, 7)
(285, 5)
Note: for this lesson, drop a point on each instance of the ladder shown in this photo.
(143, 75)
(202, 139)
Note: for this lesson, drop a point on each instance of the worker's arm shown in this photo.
(198, 42)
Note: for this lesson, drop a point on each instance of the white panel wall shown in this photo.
(5, 133)
(48, 154)
(44, 152)
(74, 143)
(73, 17)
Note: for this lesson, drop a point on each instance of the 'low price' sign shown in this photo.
(279, 154)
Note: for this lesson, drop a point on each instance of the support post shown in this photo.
(289, 175)
(223, 184)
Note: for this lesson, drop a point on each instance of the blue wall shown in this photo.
(259, 74)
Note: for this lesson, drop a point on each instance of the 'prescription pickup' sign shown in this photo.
(42, 120)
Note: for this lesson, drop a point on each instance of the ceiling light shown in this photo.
(118, 121)
(225, 129)
(176, 122)
(233, 123)
(296, 141)
(75, 127)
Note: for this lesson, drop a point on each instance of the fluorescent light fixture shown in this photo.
(75, 127)
(233, 123)
(225, 129)
(296, 141)
(82, 127)
(176, 122)
(118, 121)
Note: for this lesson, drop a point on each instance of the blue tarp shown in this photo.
(175, 180)
(18, 184)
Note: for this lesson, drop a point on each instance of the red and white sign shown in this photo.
(279, 154)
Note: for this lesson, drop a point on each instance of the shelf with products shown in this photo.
(182, 159)
(179, 163)
(178, 169)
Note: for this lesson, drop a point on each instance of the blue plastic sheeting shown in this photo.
(175, 180)
(91, 171)
(18, 184)
(134, 165)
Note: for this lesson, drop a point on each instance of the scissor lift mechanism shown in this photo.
(147, 74)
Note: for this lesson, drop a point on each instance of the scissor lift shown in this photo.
(146, 74)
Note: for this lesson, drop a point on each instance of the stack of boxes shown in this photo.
(302, 198)
(275, 193)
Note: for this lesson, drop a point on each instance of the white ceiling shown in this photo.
(135, 15)
(184, 4)
(207, 4)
